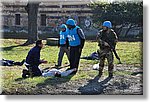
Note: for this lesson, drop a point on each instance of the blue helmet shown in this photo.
(107, 24)
(63, 26)
(71, 22)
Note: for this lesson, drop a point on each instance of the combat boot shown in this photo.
(110, 70)
(110, 74)
(25, 73)
(100, 72)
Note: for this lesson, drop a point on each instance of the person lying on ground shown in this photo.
(93, 56)
(58, 73)
(5, 62)
(51, 73)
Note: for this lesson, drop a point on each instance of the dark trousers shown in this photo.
(61, 54)
(34, 70)
(75, 53)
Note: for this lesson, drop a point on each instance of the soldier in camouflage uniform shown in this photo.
(107, 39)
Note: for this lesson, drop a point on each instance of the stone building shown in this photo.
(51, 15)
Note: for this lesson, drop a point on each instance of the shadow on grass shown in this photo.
(136, 73)
(9, 47)
(20, 79)
(94, 87)
(54, 81)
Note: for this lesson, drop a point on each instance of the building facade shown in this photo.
(51, 15)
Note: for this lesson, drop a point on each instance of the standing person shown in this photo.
(107, 40)
(76, 39)
(63, 43)
(33, 60)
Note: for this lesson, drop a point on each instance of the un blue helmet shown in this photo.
(107, 24)
(63, 26)
(71, 22)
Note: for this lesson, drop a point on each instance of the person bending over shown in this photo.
(33, 61)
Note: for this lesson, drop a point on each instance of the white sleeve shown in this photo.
(81, 33)
(66, 73)
(50, 73)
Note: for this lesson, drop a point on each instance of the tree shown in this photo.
(118, 12)
(32, 10)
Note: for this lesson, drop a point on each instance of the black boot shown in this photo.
(110, 70)
(101, 67)
(110, 74)
(100, 73)
(25, 73)
(22, 62)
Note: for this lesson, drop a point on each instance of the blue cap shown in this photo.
(63, 26)
(107, 24)
(71, 22)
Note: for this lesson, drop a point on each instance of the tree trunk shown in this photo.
(32, 10)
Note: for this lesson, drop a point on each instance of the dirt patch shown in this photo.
(120, 84)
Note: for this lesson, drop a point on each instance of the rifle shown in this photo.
(114, 51)
(107, 40)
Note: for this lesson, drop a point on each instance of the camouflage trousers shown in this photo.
(106, 54)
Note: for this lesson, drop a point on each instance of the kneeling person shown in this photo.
(33, 60)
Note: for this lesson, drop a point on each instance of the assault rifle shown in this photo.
(114, 51)
(111, 45)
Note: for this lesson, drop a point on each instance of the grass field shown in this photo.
(129, 52)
